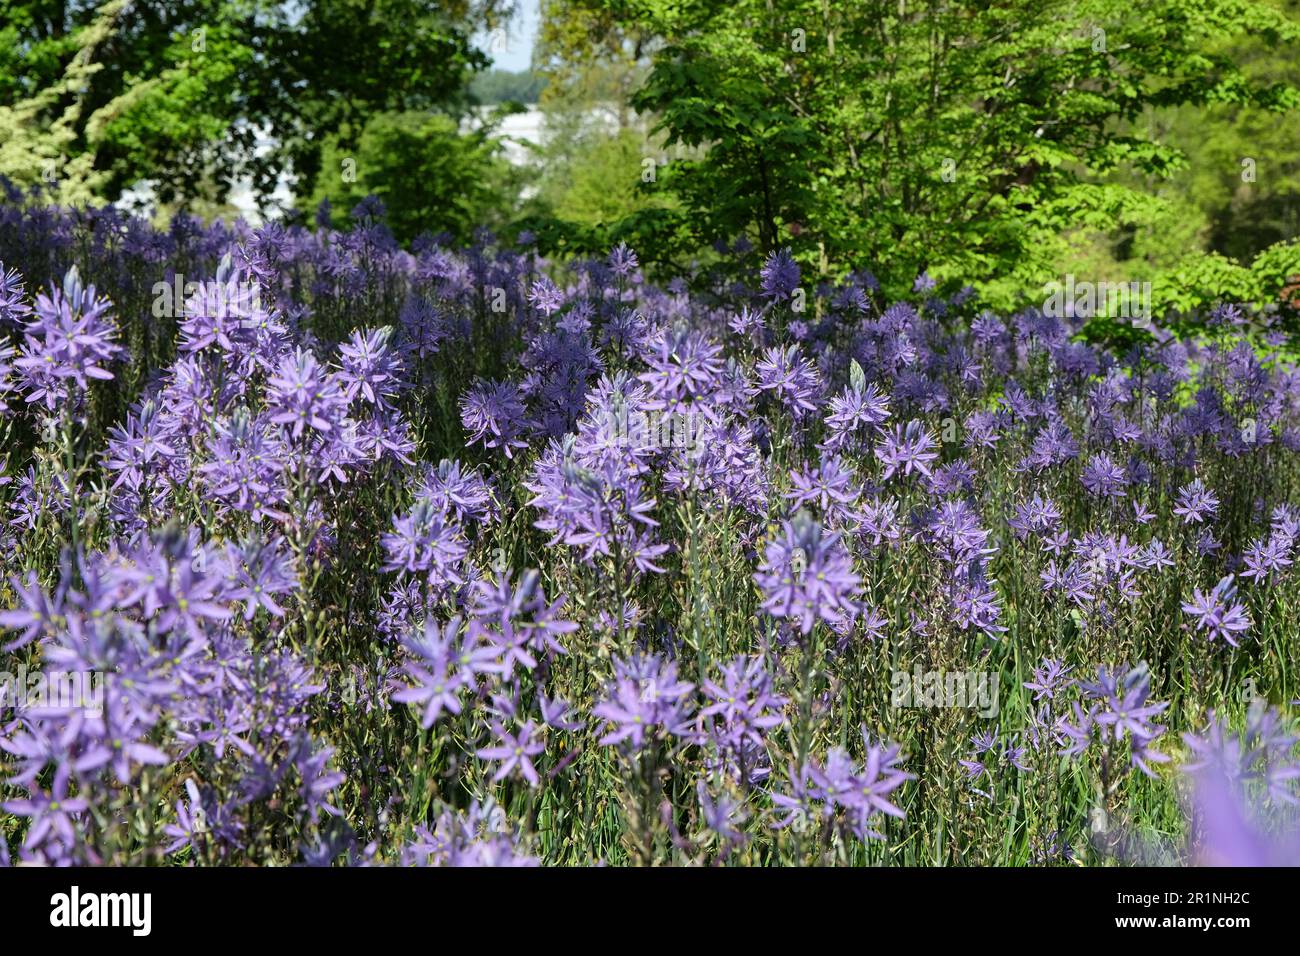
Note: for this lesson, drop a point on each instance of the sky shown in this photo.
(513, 50)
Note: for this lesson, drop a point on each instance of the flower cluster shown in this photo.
(464, 556)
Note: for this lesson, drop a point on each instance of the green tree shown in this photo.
(430, 177)
(194, 92)
(1240, 188)
(596, 171)
(38, 121)
(501, 86)
(591, 56)
(966, 138)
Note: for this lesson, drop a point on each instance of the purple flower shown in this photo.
(1264, 751)
(1118, 709)
(255, 573)
(493, 413)
(515, 752)
(40, 614)
(303, 395)
(369, 367)
(1103, 478)
(1050, 678)
(986, 750)
(830, 487)
(860, 792)
(425, 540)
(558, 713)
(545, 297)
(906, 450)
(1195, 503)
(477, 836)
(70, 340)
(622, 260)
(190, 826)
(1268, 557)
(423, 328)
(747, 323)
(779, 275)
(1216, 612)
(856, 410)
(807, 575)
(1231, 834)
(1053, 445)
(436, 687)
(117, 741)
(246, 467)
(723, 815)
(791, 378)
(743, 705)
(13, 298)
(226, 312)
(317, 780)
(645, 702)
(53, 814)
(517, 619)
(684, 368)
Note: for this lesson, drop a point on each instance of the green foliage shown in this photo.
(185, 110)
(961, 138)
(502, 86)
(603, 182)
(1002, 145)
(1205, 279)
(350, 59)
(1242, 175)
(430, 177)
(1233, 196)
(591, 55)
(599, 175)
(38, 121)
(195, 92)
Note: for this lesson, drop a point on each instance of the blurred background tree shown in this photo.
(501, 86)
(589, 168)
(191, 95)
(430, 177)
(1237, 192)
(997, 143)
(971, 140)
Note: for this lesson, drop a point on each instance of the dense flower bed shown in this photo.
(456, 556)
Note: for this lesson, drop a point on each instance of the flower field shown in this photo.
(351, 554)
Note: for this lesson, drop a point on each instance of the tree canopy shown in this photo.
(959, 138)
(193, 94)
